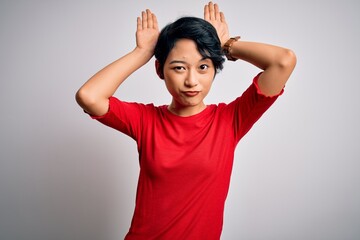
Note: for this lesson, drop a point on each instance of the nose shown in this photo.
(191, 79)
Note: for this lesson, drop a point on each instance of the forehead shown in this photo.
(185, 50)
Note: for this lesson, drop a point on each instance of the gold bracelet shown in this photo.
(227, 48)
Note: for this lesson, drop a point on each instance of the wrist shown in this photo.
(143, 53)
(227, 48)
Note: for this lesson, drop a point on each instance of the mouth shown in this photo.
(191, 93)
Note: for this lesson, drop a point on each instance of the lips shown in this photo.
(191, 93)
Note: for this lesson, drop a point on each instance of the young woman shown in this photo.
(186, 148)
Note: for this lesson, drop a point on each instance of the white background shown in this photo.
(64, 176)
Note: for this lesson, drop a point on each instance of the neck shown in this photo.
(186, 111)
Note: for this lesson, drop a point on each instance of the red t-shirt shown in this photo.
(185, 163)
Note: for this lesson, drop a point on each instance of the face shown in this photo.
(188, 77)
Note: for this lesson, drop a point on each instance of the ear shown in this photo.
(159, 70)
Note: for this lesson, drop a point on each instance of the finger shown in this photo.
(206, 13)
(216, 12)
(211, 11)
(138, 23)
(222, 17)
(155, 22)
(144, 19)
(150, 22)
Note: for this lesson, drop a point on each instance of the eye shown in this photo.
(204, 67)
(179, 68)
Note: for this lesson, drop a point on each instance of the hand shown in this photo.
(217, 19)
(147, 32)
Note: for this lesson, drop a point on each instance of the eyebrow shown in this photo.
(184, 62)
(177, 61)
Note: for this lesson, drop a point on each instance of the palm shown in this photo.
(147, 31)
(217, 19)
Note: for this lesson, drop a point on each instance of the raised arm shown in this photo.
(277, 62)
(94, 95)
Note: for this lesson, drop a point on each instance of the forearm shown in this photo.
(259, 54)
(94, 94)
(277, 63)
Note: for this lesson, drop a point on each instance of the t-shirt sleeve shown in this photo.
(249, 107)
(123, 116)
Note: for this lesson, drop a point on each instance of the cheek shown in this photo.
(207, 83)
(206, 89)
(173, 80)
(170, 85)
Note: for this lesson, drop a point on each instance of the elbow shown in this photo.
(287, 60)
(84, 98)
(79, 97)
(91, 103)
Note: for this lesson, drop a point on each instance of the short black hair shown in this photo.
(193, 28)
